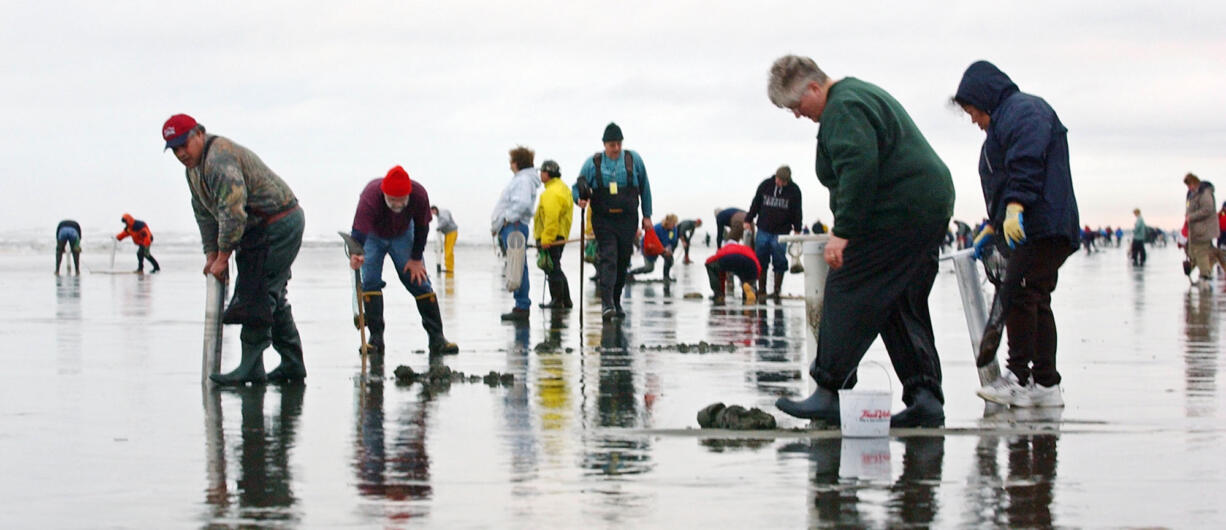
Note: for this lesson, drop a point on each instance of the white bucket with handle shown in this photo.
(866, 413)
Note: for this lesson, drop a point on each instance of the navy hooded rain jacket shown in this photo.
(1024, 157)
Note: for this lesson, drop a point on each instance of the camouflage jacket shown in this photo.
(232, 190)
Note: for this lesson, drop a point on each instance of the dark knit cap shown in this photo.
(612, 133)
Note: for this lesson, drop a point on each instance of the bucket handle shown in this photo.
(888, 379)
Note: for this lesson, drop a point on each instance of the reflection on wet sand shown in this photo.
(68, 339)
(1024, 496)
(396, 474)
(263, 490)
(1201, 353)
(847, 468)
(616, 406)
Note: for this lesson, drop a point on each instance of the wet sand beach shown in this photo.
(103, 421)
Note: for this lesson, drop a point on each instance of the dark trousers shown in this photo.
(142, 254)
(882, 289)
(284, 238)
(614, 245)
(1137, 252)
(1030, 277)
(736, 264)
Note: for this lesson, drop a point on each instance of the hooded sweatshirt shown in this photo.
(1202, 216)
(1024, 157)
(518, 199)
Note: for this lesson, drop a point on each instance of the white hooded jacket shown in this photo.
(518, 200)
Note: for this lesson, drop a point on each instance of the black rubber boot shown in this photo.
(154, 262)
(925, 411)
(250, 369)
(374, 321)
(762, 287)
(822, 405)
(778, 287)
(559, 294)
(288, 343)
(432, 321)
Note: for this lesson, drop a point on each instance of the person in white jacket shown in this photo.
(513, 213)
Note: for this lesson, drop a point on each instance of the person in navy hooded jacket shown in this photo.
(1028, 189)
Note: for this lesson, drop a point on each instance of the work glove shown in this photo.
(1014, 228)
(982, 240)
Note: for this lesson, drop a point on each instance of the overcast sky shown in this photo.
(332, 94)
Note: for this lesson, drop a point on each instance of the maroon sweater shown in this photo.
(373, 217)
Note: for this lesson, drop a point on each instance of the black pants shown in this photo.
(614, 245)
(142, 254)
(1030, 278)
(882, 289)
(1137, 252)
(741, 266)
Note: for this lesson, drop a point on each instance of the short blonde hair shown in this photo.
(670, 220)
(789, 76)
(784, 173)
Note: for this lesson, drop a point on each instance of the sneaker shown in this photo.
(1046, 396)
(1006, 391)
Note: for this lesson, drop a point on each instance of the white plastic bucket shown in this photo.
(866, 413)
(865, 458)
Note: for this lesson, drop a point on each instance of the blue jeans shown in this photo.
(768, 248)
(521, 295)
(398, 248)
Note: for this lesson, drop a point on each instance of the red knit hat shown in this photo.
(397, 183)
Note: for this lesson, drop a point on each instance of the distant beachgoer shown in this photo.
(667, 233)
(777, 208)
(1203, 228)
(68, 237)
(1136, 252)
(615, 183)
(685, 229)
(448, 229)
(736, 259)
(512, 213)
(892, 198)
(724, 218)
(1119, 235)
(1028, 189)
(241, 205)
(1221, 225)
(393, 219)
(551, 228)
(142, 237)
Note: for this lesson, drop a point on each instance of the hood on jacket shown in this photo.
(984, 86)
(128, 219)
(1204, 185)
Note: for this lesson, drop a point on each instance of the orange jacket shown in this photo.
(137, 229)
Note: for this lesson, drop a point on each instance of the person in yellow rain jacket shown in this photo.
(550, 229)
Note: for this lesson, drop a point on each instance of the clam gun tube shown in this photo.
(214, 306)
(970, 289)
(816, 268)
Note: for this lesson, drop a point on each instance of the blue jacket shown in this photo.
(668, 238)
(1025, 155)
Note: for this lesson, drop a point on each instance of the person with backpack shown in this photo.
(614, 182)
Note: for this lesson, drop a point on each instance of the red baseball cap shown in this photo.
(175, 130)
(397, 183)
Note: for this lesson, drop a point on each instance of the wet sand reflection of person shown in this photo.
(1201, 355)
(517, 412)
(912, 497)
(399, 472)
(773, 347)
(264, 491)
(1023, 498)
(68, 333)
(616, 406)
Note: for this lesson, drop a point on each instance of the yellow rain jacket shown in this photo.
(553, 213)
